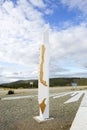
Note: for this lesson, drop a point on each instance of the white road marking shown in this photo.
(54, 94)
(74, 93)
(18, 97)
(84, 101)
(80, 121)
(75, 98)
(62, 94)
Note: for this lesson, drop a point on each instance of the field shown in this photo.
(18, 114)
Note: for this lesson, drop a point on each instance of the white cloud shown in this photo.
(38, 3)
(48, 11)
(21, 28)
(20, 35)
(80, 4)
(70, 49)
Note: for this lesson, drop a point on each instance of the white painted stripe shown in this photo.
(75, 98)
(56, 94)
(18, 97)
(74, 93)
(51, 95)
(84, 101)
(62, 94)
(80, 121)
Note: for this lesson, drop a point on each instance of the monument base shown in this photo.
(40, 119)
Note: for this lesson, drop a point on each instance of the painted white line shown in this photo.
(84, 101)
(80, 121)
(18, 97)
(74, 93)
(62, 94)
(75, 98)
(52, 95)
(56, 94)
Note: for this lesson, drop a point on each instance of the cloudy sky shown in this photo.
(21, 27)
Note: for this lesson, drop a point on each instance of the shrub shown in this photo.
(11, 92)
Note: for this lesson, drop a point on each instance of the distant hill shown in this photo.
(53, 82)
(68, 81)
(21, 84)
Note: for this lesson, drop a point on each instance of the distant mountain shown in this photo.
(53, 82)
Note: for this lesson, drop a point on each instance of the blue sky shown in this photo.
(22, 23)
(61, 15)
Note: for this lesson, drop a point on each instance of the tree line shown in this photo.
(53, 82)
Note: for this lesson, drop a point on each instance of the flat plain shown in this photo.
(18, 114)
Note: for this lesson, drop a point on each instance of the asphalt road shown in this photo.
(18, 114)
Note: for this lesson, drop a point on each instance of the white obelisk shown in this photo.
(43, 83)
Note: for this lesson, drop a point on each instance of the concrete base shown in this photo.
(40, 119)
